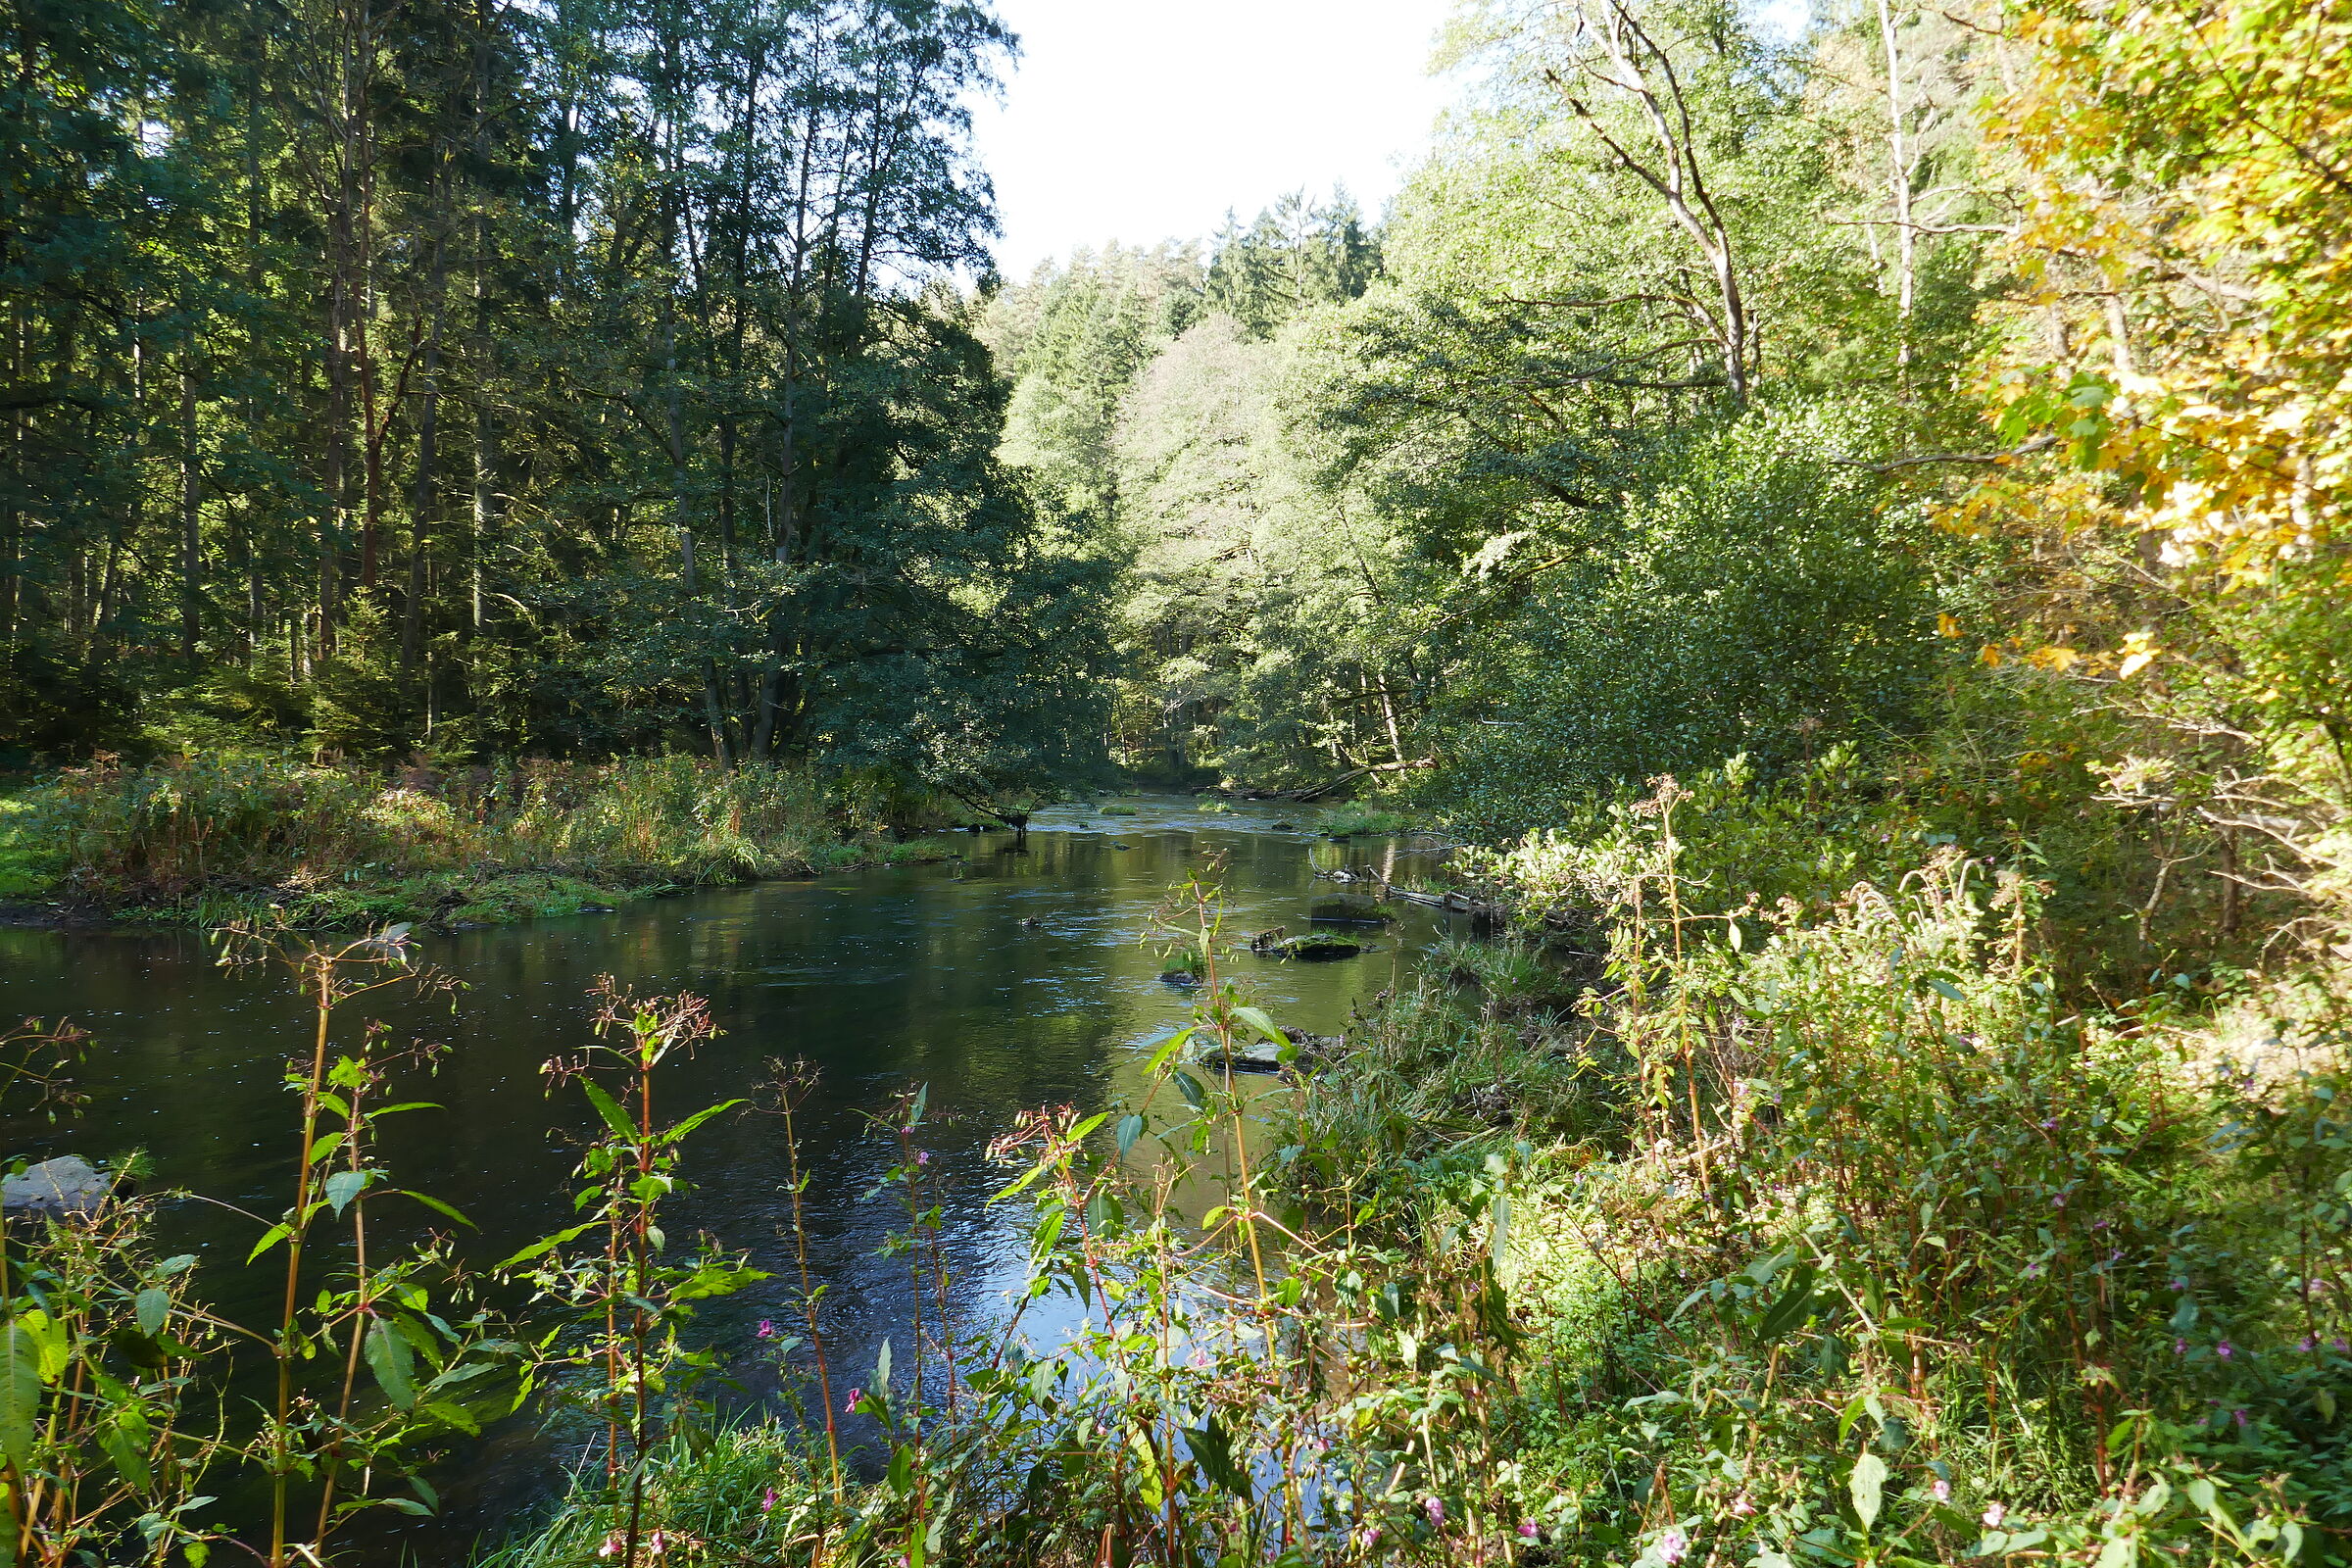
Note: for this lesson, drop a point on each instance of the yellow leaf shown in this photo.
(1990, 655)
(1947, 625)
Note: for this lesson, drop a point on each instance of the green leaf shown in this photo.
(1256, 1019)
(1194, 1094)
(274, 1235)
(541, 1247)
(1867, 1485)
(20, 1393)
(682, 1129)
(1795, 1305)
(614, 1118)
(344, 1186)
(1212, 1451)
(1130, 1128)
(154, 1307)
(393, 1361)
(1167, 1048)
(438, 1206)
(124, 1439)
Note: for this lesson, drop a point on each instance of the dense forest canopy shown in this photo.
(486, 379)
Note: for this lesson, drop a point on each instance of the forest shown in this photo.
(1841, 534)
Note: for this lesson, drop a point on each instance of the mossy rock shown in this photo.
(1349, 908)
(1317, 947)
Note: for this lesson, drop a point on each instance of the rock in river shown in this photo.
(67, 1185)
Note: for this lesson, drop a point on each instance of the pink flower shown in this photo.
(922, 1157)
(2225, 1349)
(1941, 1491)
(2310, 1343)
(768, 1501)
(613, 1543)
(1201, 1360)
(1994, 1513)
(768, 1329)
(1673, 1547)
(1436, 1509)
(1742, 1508)
(850, 1408)
(1528, 1530)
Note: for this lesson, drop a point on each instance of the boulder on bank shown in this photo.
(66, 1185)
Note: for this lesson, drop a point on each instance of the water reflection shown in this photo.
(1013, 979)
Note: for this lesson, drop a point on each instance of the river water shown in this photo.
(1017, 977)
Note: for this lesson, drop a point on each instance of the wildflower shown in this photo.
(1201, 1360)
(2310, 1343)
(2225, 1349)
(1673, 1547)
(1528, 1530)
(657, 1544)
(2179, 1347)
(614, 1543)
(1741, 1506)
(1941, 1491)
(768, 1501)
(767, 1328)
(2340, 1343)
(922, 1157)
(850, 1408)
(2116, 1257)
(1436, 1509)
(2033, 1270)
(1367, 1537)
(2240, 1415)
(2057, 1200)
(1994, 1513)
(2178, 1283)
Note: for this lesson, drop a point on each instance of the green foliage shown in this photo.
(199, 837)
(622, 1300)
(1763, 601)
(578, 386)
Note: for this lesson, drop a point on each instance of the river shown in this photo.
(1016, 977)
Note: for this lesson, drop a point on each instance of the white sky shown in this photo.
(1141, 120)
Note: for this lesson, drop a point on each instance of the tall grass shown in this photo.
(207, 836)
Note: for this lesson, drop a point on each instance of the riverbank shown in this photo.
(204, 842)
(1688, 1229)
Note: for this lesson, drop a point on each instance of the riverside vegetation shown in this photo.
(204, 841)
(1849, 529)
